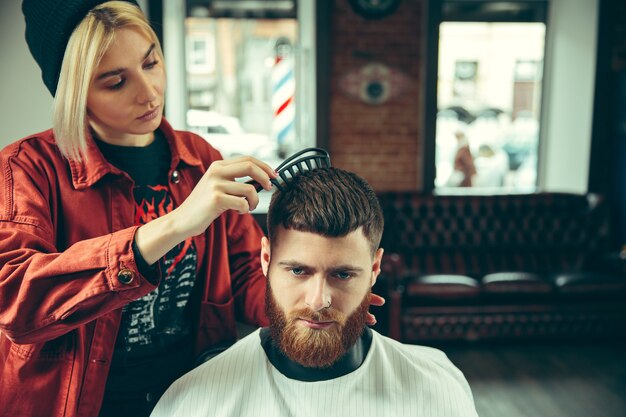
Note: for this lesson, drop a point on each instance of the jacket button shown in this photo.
(125, 276)
(175, 176)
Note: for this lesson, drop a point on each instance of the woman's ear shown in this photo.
(265, 255)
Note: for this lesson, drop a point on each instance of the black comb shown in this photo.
(301, 161)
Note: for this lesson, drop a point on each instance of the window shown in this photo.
(245, 72)
(489, 85)
(201, 54)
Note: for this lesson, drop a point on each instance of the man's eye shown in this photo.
(343, 275)
(297, 271)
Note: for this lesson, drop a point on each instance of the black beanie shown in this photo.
(49, 24)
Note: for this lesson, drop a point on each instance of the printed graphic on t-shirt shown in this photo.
(158, 319)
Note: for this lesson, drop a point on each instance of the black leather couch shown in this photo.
(501, 267)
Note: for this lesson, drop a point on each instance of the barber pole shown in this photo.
(283, 95)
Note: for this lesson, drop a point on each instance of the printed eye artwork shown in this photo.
(374, 83)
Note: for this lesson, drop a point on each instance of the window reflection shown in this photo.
(241, 84)
(489, 94)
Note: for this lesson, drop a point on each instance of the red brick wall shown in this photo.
(380, 142)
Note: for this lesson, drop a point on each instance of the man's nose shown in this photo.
(318, 294)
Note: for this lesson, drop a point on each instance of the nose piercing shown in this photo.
(325, 307)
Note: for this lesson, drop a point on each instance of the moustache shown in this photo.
(327, 314)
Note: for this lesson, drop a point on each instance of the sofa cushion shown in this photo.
(515, 283)
(440, 286)
(477, 262)
(589, 283)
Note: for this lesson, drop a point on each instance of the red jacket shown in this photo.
(66, 231)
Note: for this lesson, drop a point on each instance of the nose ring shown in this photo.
(323, 308)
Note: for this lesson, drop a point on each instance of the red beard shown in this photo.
(315, 348)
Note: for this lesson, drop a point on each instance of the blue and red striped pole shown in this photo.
(283, 96)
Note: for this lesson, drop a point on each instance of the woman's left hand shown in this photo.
(375, 300)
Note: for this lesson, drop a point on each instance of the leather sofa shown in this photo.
(501, 267)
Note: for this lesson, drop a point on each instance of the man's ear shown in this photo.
(378, 258)
(265, 255)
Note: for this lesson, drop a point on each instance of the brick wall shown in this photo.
(380, 142)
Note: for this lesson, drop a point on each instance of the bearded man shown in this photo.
(318, 357)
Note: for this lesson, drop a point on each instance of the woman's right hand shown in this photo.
(216, 192)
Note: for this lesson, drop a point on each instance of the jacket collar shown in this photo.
(94, 166)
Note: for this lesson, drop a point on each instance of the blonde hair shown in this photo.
(85, 49)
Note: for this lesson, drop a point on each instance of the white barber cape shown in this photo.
(394, 380)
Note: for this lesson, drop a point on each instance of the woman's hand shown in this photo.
(375, 300)
(216, 192)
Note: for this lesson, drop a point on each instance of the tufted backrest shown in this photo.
(479, 234)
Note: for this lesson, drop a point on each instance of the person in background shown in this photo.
(464, 169)
(317, 357)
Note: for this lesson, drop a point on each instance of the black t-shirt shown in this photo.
(153, 345)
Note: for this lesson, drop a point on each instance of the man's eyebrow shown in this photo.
(346, 268)
(292, 263)
(118, 71)
(334, 268)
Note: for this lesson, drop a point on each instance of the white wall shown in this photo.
(307, 75)
(174, 50)
(568, 95)
(25, 103)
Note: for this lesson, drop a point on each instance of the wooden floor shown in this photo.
(583, 380)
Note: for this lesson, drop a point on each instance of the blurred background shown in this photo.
(385, 85)
(436, 97)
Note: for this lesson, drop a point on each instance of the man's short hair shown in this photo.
(329, 202)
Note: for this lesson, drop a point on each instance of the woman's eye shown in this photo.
(152, 64)
(117, 85)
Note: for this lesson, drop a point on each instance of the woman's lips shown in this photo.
(149, 115)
